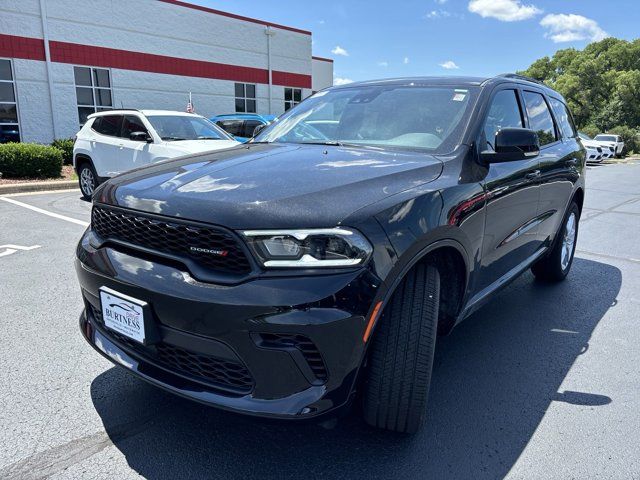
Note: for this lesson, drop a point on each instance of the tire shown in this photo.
(556, 265)
(401, 354)
(87, 179)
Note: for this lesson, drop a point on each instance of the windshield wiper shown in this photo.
(325, 142)
(173, 139)
(209, 138)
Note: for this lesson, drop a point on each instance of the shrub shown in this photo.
(30, 160)
(630, 136)
(66, 145)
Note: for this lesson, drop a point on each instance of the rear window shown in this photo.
(108, 125)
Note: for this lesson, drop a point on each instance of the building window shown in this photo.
(245, 98)
(292, 97)
(93, 91)
(9, 125)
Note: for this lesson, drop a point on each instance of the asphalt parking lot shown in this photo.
(541, 383)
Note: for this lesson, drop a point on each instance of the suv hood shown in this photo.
(270, 186)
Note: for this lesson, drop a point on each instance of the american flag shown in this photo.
(190, 107)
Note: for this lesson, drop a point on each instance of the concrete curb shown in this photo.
(37, 186)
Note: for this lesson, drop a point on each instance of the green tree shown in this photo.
(600, 83)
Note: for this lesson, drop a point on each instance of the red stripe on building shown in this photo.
(21, 47)
(234, 16)
(322, 59)
(77, 54)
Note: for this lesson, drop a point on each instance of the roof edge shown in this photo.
(193, 6)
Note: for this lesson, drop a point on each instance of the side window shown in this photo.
(250, 126)
(232, 127)
(108, 125)
(503, 113)
(132, 124)
(564, 118)
(540, 118)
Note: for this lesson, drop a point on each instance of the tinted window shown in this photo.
(564, 118)
(132, 124)
(108, 125)
(540, 118)
(503, 113)
(606, 138)
(250, 126)
(233, 127)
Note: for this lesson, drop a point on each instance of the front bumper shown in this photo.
(297, 342)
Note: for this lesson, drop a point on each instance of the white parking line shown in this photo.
(45, 212)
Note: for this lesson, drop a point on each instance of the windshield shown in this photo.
(415, 117)
(606, 138)
(186, 127)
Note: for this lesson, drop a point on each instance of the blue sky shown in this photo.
(378, 39)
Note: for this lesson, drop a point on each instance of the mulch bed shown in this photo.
(67, 174)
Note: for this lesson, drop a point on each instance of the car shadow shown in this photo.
(494, 378)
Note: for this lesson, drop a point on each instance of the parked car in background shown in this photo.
(613, 143)
(242, 125)
(593, 148)
(112, 142)
(291, 276)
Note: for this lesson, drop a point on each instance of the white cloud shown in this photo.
(321, 22)
(406, 60)
(438, 14)
(341, 81)
(340, 51)
(504, 10)
(449, 65)
(571, 28)
(440, 2)
(383, 64)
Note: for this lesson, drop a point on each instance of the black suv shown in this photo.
(318, 263)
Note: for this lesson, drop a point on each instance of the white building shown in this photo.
(61, 60)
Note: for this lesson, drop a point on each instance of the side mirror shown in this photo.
(140, 137)
(512, 144)
(259, 128)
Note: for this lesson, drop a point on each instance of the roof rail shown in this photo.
(522, 77)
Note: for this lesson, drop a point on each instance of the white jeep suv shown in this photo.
(613, 143)
(112, 142)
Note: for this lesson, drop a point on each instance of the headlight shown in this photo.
(327, 247)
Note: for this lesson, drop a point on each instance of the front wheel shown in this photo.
(401, 356)
(556, 265)
(88, 180)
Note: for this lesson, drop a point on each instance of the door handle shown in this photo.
(532, 175)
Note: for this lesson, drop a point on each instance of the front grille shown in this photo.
(217, 372)
(221, 251)
(308, 349)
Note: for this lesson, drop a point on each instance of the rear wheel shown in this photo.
(87, 179)
(555, 266)
(401, 356)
